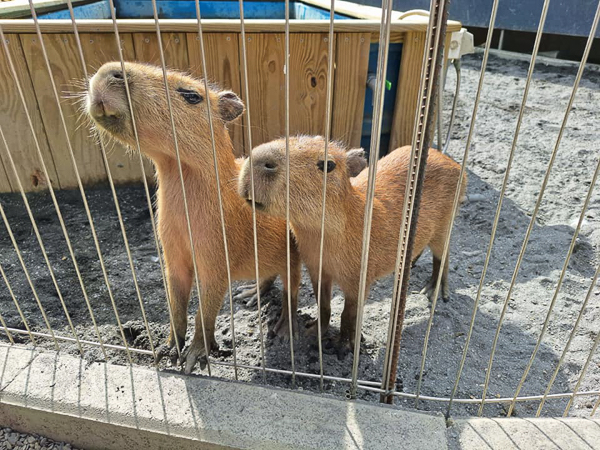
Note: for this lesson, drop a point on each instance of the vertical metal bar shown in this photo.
(398, 304)
(112, 187)
(6, 330)
(139, 151)
(556, 290)
(70, 148)
(250, 160)
(534, 53)
(31, 285)
(384, 44)
(41, 244)
(456, 63)
(184, 195)
(329, 96)
(585, 365)
(455, 204)
(595, 408)
(47, 177)
(16, 302)
(424, 138)
(287, 181)
(568, 344)
(218, 181)
(539, 200)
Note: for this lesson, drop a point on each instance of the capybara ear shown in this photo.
(230, 106)
(355, 161)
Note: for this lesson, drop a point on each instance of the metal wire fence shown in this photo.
(385, 384)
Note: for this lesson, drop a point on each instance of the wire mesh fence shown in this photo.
(112, 299)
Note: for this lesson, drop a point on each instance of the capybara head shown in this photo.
(307, 164)
(108, 107)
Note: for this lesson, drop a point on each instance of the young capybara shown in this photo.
(345, 205)
(107, 105)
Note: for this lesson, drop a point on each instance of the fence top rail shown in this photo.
(212, 25)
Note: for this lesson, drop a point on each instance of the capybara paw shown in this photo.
(429, 289)
(193, 354)
(282, 328)
(169, 349)
(312, 328)
(245, 292)
(344, 348)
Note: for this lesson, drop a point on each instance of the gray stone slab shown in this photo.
(525, 434)
(136, 401)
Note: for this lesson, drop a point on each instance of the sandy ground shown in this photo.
(529, 302)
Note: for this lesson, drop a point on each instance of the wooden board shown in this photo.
(223, 68)
(351, 67)
(308, 83)
(67, 72)
(13, 121)
(174, 47)
(408, 90)
(98, 49)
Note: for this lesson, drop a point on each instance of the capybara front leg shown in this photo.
(179, 282)
(289, 304)
(210, 304)
(325, 305)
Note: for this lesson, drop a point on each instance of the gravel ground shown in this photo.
(529, 301)
(10, 440)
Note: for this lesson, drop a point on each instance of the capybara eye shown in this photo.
(192, 97)
(330, 165)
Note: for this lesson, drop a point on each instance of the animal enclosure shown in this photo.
(448, 349)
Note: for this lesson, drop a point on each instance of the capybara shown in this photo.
(345, 205)
(107, 105)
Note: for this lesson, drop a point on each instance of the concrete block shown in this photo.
(530, 434)
(110, 406)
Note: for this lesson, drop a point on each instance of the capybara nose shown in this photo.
(269, 166)
(115, 75)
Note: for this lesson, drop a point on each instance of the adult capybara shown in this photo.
(107, 105)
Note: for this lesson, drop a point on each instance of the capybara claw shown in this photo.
(193, 354)
(282, 328)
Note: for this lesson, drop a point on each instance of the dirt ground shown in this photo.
(529, 302)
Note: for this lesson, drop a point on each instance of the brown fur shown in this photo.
(345, 206)
(108, 107)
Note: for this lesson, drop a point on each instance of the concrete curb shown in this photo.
(115, 407)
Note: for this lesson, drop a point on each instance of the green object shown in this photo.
(388, 85)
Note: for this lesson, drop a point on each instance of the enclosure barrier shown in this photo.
(37, 64)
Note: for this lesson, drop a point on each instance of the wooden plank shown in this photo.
(408, 89)
(216, 26)
(308, 84)
(67, 73)
(223, 68)
(13, 121)
(97, 50)
(174, 47)
(351, 67)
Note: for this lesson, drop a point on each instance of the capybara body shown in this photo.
(345, 205)
(107, 105)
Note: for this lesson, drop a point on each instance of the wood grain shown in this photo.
(13, 121)
(351, 67)
(174, 47)
(223, 68)
(308, 83)
(97, 50)
(66, 72)
(408, 90)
